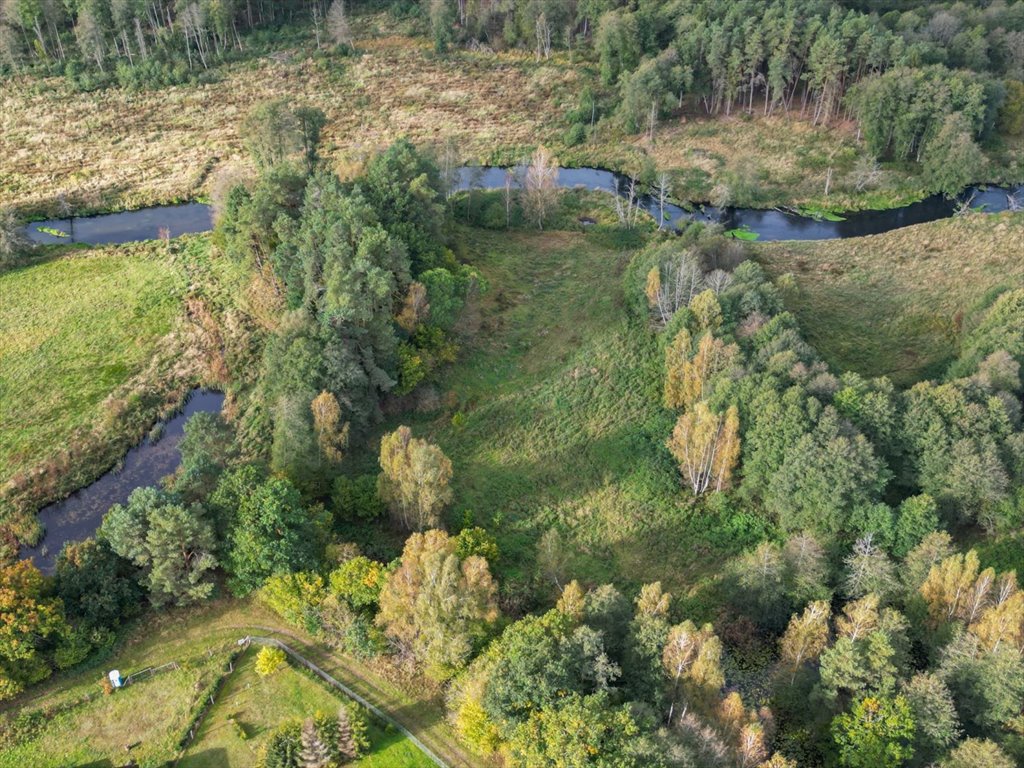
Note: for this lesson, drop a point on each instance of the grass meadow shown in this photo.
(74, 328)
(259, 704)
(98, 343)
(896, 304)
(54, 726)
(553, 419)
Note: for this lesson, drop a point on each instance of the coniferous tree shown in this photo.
(314, 753)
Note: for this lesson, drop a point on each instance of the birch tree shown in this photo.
(806, 636)
(707, 446)
(540, 186)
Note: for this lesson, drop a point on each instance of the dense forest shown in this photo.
(861, 622)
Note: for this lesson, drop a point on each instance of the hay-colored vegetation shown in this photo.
(252, 705)
(113, 149)
(896, 304)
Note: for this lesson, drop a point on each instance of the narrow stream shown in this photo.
(79, 515)
(768, 224)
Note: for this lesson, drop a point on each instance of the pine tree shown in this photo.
(314, 752)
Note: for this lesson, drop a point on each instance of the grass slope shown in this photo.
(72, 330)
(896, 304)
(260, 704)
(561, 424)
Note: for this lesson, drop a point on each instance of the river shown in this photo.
(79, 515)
(187, 218)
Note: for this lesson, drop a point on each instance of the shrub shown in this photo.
(269, 660)
(575, 136)
(355, 498)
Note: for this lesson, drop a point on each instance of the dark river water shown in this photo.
(189, 218)
(79, 515)
(127, 226)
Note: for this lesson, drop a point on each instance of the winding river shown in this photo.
(78, 516)
(188, 218)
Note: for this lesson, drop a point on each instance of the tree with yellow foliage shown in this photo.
(438, 607)
(687, 378)
(414, 481)
(707, 447)
(692, 659)
(806, 636)
(331, 433)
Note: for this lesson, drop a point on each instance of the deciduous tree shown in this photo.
(806, 636)
(437, 607)
(875, 733)
(414, 480)
(540, 186)
(707, 446)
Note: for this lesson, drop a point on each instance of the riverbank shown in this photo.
(96, 345)
(119, 150)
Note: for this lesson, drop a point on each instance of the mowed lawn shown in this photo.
(259, 704)
(897, 304)
(73, 329)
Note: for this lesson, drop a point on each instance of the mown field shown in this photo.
(54, 726)
(73, 329)
(118, 149)
(896, 304)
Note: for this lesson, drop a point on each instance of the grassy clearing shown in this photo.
(118, 149)
(151, 714)
(259, 704)
(72, 330)
(895, 304)
(560, 421)
(97, 344)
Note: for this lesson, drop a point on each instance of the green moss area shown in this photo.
(552, 418)
(897, 304)
(257, 705)
(72, 330)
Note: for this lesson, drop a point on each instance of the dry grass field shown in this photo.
(896, 304)
(116, 149)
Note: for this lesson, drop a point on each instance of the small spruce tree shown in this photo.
(315, 753)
